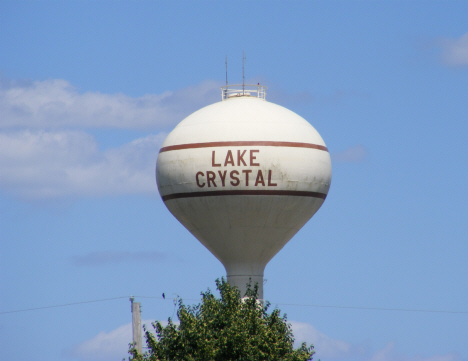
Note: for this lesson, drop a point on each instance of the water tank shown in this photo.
(243, 176)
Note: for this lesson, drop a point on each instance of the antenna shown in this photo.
(243, 73)
(226, 73)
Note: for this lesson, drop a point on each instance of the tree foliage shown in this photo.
(224, 329)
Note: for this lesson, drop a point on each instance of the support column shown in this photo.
(241, 281)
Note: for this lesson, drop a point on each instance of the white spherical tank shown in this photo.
(243, 176)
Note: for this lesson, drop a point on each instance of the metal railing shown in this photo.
(243, 90)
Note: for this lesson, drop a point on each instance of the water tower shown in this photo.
(243, 176)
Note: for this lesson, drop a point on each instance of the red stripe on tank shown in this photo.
(243, 143)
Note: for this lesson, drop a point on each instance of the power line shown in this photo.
(373, 308)
(62, 305)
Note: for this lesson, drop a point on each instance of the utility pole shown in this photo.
(136, 325)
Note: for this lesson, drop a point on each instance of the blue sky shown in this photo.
(88, 92)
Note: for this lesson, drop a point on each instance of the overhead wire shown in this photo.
(62, 305)
(372, 308)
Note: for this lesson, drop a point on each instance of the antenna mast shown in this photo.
(243, 73)
(226, 73)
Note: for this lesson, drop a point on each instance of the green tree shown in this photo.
(229, 328)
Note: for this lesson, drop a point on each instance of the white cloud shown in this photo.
(107, 346)
(48, 165)
(455, 51)
(104, 346)
(351, 155)
(44, 155)
(55, 103)
(389, 353)
(325, 347)
(331, 349)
